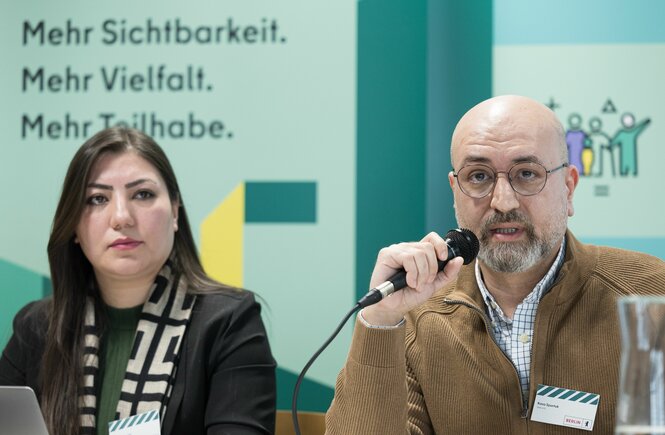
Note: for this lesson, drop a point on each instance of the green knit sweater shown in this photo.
(115, 350)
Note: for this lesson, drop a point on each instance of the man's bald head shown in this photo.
(510, 114)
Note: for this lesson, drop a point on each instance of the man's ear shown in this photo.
(572, 178)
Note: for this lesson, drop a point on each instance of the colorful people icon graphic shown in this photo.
(575, 138)
(598, 154)
(603, 152)
(626, 140)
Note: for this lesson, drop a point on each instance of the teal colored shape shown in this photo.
(280, 202)
(518, 22)
(545, 391)
(47, 287)
(588, 398)
(567, 394)
(313, 397)
(557, 392)
(18, 286)
(653, 245)
(576, 397)
(421, 65)
(459, 75)
(391, 132)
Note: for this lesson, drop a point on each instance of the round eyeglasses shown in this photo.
(526, 178)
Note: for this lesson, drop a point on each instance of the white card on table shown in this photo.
(141, 424)
(565, 407)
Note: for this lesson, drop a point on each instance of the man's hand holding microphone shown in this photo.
(418, 269)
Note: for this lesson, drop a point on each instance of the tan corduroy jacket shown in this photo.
(443, 373)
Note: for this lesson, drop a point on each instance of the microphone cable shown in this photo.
(296, 389)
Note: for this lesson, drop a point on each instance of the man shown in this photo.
(462, 351)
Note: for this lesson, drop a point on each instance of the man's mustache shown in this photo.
(512, 216)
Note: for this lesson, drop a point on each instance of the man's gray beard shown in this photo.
(512, 257)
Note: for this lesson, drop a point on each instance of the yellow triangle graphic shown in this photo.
(222, 239)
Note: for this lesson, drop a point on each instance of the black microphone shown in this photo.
(461, 243)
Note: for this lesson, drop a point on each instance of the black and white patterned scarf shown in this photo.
(153, 360)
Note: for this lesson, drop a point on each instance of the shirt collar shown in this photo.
(536, 294)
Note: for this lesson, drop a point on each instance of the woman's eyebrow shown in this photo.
(127, 186)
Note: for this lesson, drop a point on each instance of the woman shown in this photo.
(134, 323)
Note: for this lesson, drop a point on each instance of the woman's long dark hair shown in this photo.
(73, 278)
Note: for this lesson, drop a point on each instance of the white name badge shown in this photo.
(141, 424)
(565, 407)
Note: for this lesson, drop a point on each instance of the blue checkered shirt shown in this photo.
(514, 336)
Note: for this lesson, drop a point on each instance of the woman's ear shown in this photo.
(175, 207)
